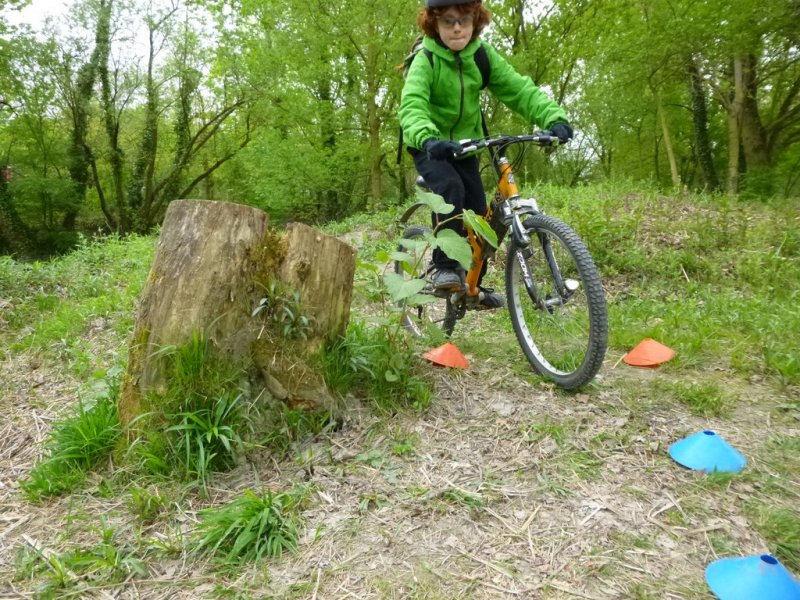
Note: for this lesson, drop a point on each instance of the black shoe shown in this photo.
(491, 301)
(446, 279)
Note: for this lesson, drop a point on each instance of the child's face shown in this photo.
(454, 28)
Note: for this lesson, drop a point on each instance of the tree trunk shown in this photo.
(754, 136)
(734, 108)
(673, 164)
(212, 266)
(702, 141)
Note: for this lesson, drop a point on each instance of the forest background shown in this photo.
(120, 106)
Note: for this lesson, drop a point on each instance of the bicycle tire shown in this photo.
(564, 340)
(441, 311)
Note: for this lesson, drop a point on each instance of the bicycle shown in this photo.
(553, 289)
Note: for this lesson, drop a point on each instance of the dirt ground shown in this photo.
(504, 488)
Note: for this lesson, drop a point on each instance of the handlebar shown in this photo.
(541, 138)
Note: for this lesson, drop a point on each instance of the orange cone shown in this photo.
(648, 353)
(447, 355)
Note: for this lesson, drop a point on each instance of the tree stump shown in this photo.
(210, 270)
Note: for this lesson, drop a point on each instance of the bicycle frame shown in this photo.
(504, 213)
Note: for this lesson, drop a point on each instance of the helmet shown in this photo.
(441, 3)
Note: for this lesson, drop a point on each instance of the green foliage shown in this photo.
(251, 527)
(107, 562)
(283, 309)
(198, 424)
(378, 362)
(709, 291)
(205, 439)
(77, 444)
(41, 312)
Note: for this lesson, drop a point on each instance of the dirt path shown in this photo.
(504, 488)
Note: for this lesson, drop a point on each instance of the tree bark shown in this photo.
(209, 273)
(702, 141)
(754, 135)
(673, 164)
(734, 108)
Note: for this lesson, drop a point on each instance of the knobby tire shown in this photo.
(564, 341)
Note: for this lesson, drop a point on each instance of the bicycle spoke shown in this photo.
(556, 303)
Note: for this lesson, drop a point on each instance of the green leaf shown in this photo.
(391, 376)
(402, 257)
(455, 247)
(481, 227)
(435, 202)
(400, 288)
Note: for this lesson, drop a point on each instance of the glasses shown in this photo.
(450, 22)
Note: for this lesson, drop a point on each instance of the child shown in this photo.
(441, 103)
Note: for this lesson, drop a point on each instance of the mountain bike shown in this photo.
(553, 289)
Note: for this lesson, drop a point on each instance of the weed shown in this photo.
(206, 439)
(250, 527)
(282, 308)
(378, 361)
(76, 444)
(461, 498)
(105, 562)
(367, 502)
(196, 426)
(146, 505)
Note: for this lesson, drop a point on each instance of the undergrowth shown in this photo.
(77, 443)
(251, 526)
(377, 361)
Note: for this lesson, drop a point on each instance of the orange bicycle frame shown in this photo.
(507, 188)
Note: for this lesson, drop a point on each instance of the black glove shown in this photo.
(562, 131)
(441, 149)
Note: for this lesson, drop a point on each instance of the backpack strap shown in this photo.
(484, 66)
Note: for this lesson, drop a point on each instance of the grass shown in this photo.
(76, 444)
(51, 304)
(781, 529)
(198, 425)
(250, 527)
(711, 292)
(377, 361)
(714, 278)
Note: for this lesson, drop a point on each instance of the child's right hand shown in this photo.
(441, 149)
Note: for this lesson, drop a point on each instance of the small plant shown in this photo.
(283, 309)
(146, 505)
(196, 426)
(76, 444)
(462, 498)
(250, 527)
(206, 439)
(379, 361)
(104, 562)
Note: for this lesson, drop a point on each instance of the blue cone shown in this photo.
(706, 451)
(751, 578)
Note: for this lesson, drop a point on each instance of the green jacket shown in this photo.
(443, 101)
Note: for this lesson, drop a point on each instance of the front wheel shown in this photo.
(557, 304)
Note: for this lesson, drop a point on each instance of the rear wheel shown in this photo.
(557, 304)
(439, 311)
